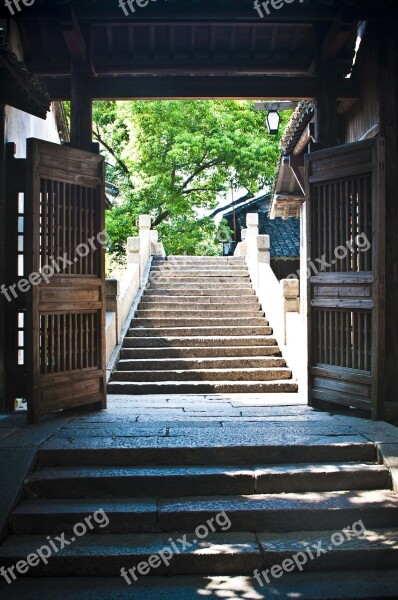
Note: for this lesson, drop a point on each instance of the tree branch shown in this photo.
(119, 161)
(161, 218)
(248, 196)
(203, 167)
(200, 190)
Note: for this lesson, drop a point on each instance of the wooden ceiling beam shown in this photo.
(73, 35)
(228, 87)
(296, 66)
(337, 38)
(211, 10)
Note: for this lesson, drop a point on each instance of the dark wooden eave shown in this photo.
(193, 49)
(18, 87)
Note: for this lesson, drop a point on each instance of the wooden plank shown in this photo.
(334, 291)
(346, 303)
(342, 373)
(343, 278)
(339, 398)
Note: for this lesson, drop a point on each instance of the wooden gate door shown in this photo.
(345, 232)
(65, 316)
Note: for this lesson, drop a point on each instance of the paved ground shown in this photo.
(184, 421)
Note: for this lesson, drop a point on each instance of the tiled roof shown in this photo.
(295, 128)
(284, 234)
(19, 87)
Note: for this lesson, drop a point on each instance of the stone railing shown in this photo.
(280, 300)
(122, 292)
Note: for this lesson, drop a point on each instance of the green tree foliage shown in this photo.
(174, 160)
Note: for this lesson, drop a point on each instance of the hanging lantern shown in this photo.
(273, 120)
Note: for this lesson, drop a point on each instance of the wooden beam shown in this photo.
(234, 87)
(215, 11)
(171, 66)
(295, 162)
(307, 136)
(73, 35)
(337, 37)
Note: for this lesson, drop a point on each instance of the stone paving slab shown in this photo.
(375, 431)
(208, 437)
(5, 431)
(105, 430)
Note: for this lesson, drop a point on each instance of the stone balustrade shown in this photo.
(280, 300)
(121, 292)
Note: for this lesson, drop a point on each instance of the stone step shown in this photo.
(199, 259)
(203, 387)
(244, 303)
(203, 375)
(173, 312)
(311, 511)
(184, 353)
(272, 513)
(359, 548)
(198, 275)
(182, 364)
(197, 321)
(176, 481)
(203, 268)
(211, 331)
(311, 585)
(216, 285)
(106, 554)
(184, 292)
(87, 452)
(177, 341)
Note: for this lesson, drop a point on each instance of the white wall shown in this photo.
(19, 126)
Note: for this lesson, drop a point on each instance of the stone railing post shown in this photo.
(145, 235)
(112, 297)
(251, 245)
(291, 299)
(134, 254)
(263, 249)
(252, 233)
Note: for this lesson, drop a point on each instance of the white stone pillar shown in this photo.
(145, 235)
(251, 244)
(291, 304)
(133, 250)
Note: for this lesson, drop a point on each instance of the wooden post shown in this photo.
(326, 116)
(81, 107)
(388, 90)
(2, 257)
(81, 81)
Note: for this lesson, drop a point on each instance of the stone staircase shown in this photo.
(277, 499)
(199, 329)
